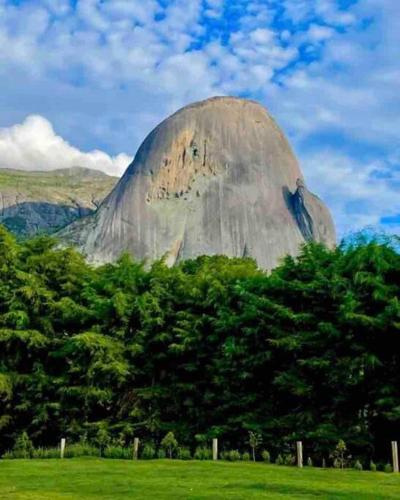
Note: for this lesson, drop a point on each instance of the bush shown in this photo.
(169, 443)
(102, 439)
(231, 455)
(309, 462)
(254, 441)
(183, 453)
(23, 447)
(358, 465)
(161, 453)
(372, 466)
(118, 452)
(72, 450)
(203, 453)
(80, 450)
(148, 451)
(339, 455)
(388, 468)
(266, 456)
(279, 460)
(289, 459)
(46, 453)
(246, 456)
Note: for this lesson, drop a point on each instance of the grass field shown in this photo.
(163, 479)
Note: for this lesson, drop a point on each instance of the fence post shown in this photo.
(62, 448)
(299, 446)
(395, 456)
(135, 448)
(215, 448)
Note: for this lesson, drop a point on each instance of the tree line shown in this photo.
(213, 347)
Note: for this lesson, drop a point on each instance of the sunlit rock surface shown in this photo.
(217, 177)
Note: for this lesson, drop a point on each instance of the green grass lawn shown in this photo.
(85, 478)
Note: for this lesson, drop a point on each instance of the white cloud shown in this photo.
(357, 192)
(329, 11)
(214, 8)
(344, 91)
(106, 71)
(318, 33)
(34, 145)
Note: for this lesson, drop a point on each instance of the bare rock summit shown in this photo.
(217, 177)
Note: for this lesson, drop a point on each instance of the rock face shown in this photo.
(42, 202)
(217, 177)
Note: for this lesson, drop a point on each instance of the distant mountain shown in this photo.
(43, 202)
(217, 177)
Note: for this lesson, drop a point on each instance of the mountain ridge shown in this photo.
(33, 202)
(216, 177)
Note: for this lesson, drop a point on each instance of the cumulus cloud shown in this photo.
(34, 145)
(359, 193)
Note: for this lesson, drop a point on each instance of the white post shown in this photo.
(395, 455)
(62, 449)
(299, 446)
(135, 448)
(215, 449)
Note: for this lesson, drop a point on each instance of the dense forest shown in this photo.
(213, 347)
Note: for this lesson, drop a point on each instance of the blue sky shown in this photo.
(84, 81)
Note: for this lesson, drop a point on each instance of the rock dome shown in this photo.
(216, 177)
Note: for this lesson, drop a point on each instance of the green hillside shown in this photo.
(86, 479)
(37, 202)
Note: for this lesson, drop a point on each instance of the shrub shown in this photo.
(161, 453)
(309, 462)
(337, 464)
(72, 450)
(46, 453)
(279, 460)
(372, 466)
(388, 468)
(254, 441)
(23, 447)
(102, 439)
(148, 451)
(117, 452)
(289, 459)
(184, 453)
(39, 453)
(80, 450)
(246, 456)
(203, 453)
(231, 455)
(266, 456)
(338, 455)
(169, 443)
(358, 465)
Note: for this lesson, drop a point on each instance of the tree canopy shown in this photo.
(213, 347)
